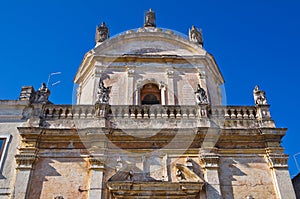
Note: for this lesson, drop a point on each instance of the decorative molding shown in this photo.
(170, 73)
(210, 161)
(97, 163)
(25, 161)
(202, 75)
(277, 160)
(130, 72)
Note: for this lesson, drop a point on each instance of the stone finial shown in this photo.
(201, 97)
(150, 19)
(27, 93)
(259, 96)
(195, 35)
(42, 95)
(102, 33)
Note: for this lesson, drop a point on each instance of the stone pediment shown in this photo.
(185, 174)
(131, 173)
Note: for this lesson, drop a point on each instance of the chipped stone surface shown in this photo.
(245, 176)
(59, 176)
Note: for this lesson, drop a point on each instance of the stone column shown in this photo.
(171, 99)
(210, 164)
(130, 88)
(162, 88)
(281, 177)
(97, 168)
(96, 76)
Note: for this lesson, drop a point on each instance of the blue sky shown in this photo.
(254, 42)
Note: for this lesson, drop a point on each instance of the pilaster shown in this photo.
(97, 168)
(130, 88)
(25, 161)
(210, 164)
(281, 177)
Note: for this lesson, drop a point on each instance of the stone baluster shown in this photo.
(233, 115)
(132, 112)
(251, 114)
(239, 113)
(227, 113)
(178, 112)
(184, 112)
(75, 113)
(245, 113)
(126, 112)
(139, 112)
(191, 113)
(171, 109)
(146, 110)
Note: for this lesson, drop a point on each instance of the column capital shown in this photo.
(25, 161)
(202, 75)
(131, 71)
(97, 162)
(170, 73)
(210, 160)
(277, 160)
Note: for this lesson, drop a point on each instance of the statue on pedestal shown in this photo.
(41, 96)
(150, 19)
(102, 33)
(103, 93)
(200, 95)
(259, 96)
(195, 35)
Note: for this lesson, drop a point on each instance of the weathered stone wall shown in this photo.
(12, 113)
(7, 171)
(245, 176)
(59, 176)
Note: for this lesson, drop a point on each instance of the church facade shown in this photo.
(148, 123)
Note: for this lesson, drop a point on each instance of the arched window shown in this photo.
(150, 94)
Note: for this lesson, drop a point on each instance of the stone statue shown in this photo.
(195, 35)
(41, 96)
(103, 93)
(102, 33)
(200, 95)
(150, 19)
(259, 96)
